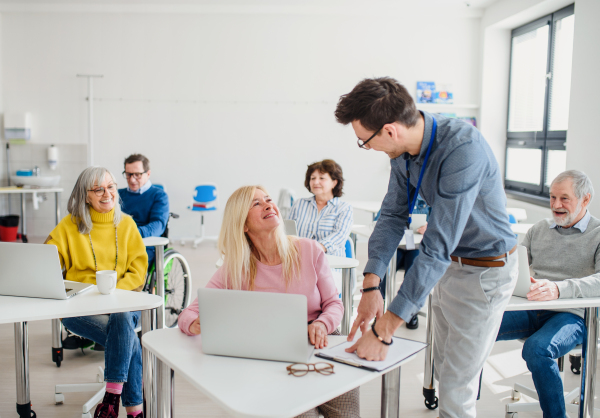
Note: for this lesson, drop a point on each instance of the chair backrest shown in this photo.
(286, 201)
(205, 193)
(511, 218)
(290, 227)
(349, 247)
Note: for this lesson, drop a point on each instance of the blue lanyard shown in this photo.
(411, 206)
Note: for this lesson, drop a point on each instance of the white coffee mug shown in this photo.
(106, 280)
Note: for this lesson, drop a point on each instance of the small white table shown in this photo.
(22, 191)
(588, 375)
(20, 310)
(371, 206)
(257, 388)
(346, 264)
(520, 228)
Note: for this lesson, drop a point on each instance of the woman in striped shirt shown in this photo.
(324, 217)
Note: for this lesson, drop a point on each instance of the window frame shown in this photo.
(545, 140)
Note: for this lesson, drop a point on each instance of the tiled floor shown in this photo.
(504, 367)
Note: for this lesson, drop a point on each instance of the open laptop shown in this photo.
(257, 325)
(523, 282)
(34, 271)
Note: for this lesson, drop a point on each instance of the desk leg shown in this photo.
(57, 349)
(431, 401)
(22, 369)
(390, 282)
(165, 394)
(354, 237)
(160, 283)
(23, 220)
(390, 394)
(148, 366)
(347, 300)
(588, 377)
(57, 206)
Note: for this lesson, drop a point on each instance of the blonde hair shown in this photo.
(236, 247)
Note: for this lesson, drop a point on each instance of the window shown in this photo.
(538, 103)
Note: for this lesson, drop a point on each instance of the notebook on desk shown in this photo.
(400, 350)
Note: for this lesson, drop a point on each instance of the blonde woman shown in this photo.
(260, 257)
(96, 236)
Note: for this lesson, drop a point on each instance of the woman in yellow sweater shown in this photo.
(96, 236)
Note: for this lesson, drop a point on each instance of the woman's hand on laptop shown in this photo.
(542, 289)
(195, 327)
(317, 334)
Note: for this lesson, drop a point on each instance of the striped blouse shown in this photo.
(330, 227)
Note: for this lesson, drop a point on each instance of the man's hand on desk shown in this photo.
(542, 289)
(195, 327)
(369, 347)
(370, 306)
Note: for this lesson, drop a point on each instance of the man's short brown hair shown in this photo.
(134, 158)
(330, 167)
(375, 102)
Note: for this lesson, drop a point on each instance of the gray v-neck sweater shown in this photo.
(569, 257)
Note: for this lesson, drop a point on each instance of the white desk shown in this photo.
(588, 375)
(520, 228)
(22, 310)
(371, 206)
(256, 388)
(346, 264)
(22, 191)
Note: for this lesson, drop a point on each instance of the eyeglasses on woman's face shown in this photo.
(99, 191)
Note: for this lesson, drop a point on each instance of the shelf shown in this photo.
(446, 106)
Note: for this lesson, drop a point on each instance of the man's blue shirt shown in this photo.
(463, 186)
(149, 210)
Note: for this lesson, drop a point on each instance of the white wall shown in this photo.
(229, 98)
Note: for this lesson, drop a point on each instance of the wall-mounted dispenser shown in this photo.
(52, 157)
(17, 126)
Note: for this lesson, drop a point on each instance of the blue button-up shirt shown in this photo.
(463, 186)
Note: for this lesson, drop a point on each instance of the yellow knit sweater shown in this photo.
(75, 250)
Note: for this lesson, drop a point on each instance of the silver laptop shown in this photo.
(523, 282)
(34, 271)
(290, 227)
(257, 325)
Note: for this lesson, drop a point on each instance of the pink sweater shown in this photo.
(316, 283)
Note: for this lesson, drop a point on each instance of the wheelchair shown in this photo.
(178, 293)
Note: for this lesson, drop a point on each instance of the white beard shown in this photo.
(570, 218)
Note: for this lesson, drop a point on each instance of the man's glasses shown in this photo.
(101, 190)
(361, 143)
(137, 176)
(300, 369)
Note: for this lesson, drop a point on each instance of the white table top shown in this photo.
(91, 302)
(520, 228)
(372, 206)
(22, 190)
(367, 230)
(522, 304)
(334, 262)
(253, 388)
(154, 241)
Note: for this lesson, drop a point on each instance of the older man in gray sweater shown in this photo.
(564, 258)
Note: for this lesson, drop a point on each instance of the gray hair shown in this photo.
(78, 206)
(582, 185)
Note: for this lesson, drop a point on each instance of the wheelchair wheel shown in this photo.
(178, 286)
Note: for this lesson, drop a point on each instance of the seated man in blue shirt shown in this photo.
(146, 203)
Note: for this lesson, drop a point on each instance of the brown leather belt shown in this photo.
(484, 261)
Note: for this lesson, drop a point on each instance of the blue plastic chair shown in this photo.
(205, 199)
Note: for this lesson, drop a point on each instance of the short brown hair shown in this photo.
(375, 102)
(134, 158)
(330, 167)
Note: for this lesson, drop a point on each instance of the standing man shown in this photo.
(147, 204)
(468, 252)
